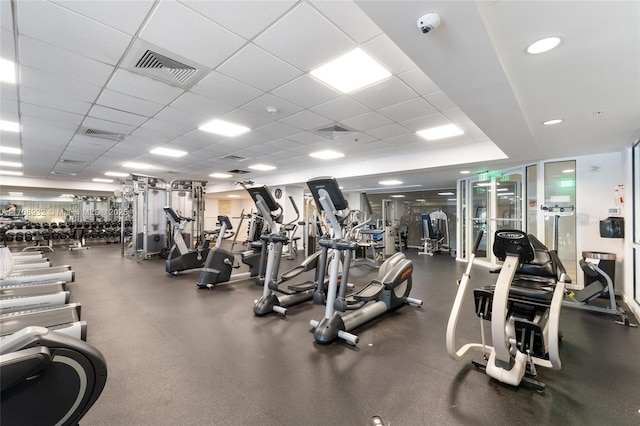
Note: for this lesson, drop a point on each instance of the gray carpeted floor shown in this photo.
(178, 355)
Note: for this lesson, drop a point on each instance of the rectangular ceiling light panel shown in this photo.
(351, 71)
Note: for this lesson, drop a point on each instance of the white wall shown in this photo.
(596, 179)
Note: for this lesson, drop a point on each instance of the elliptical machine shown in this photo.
(180, 258)
(49, 378)
(388, 292)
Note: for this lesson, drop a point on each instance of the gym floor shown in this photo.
(179, 355)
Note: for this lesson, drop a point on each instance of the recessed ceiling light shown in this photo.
(116, 174)
(8, 150)
(224, 128)
(390, 182)
(10, 173)
(465, 172)
(10, 164)
(233, 196)
(397, 196)
(420, 200)
(137, 166)
(446, 193)
(440, 132)
(568, 171)
(552, 122)
(351, 71)
(103, 180)
(220, 175)
(7, 71)
(67, 196)
(167, 152)
(16, 194)
(9, 126)
(543, 45)
(326, 154)
(262, 167)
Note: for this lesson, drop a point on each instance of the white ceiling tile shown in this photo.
(440, 101)
(10, 139)
(125, 16)
(369, 120)
(307, 138)
(50, 100)
(388, 54)
(109, 126)
(171, 122)
(167, 26)
(278, 130)
(259, 106)
(90, 142)
(73, 32)
(304, 27)
(407, 110)
(256, 15)
(143, 87)
(425, 122)
(389, 131)
(47, 82)
(51, 115)
(7, 44)
(307, 120)
(388, 92)
(201, 106)
(282, 145)
(45, 57)
(9, 100)
(341, 108)
(191, 144)
(110, 114)
(258, 68)
(149, 136)
(350, 18)
(123, 102)
(245, 118)
(225, 89)
(6, 21)
(418, 81)
(306, 92)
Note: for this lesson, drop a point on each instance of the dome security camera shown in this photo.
(428, 22)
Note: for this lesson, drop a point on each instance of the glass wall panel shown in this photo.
(480, 207)
(532, 200)
(560, 190)
(636, 219)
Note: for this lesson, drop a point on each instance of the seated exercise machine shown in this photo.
(180, 258)
(48, 378)
(432, 239)
(602, 286)
(388, 292)
(523, 308)
(220, 263)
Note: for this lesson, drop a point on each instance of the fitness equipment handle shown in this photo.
(476, 243)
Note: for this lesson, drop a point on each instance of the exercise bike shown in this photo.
(523, 307)
(180, 258)
(388, 292)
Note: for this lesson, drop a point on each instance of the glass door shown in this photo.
(480, 205)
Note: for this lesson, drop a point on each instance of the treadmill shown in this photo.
(62, 273)
(64, 318)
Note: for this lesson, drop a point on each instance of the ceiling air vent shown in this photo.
(233, 157)
(74, 161)
(334, 131)
(239, 172)
(102, 134)
(179, 71)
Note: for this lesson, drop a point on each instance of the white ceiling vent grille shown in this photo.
(233, 157)
(179, 71)
(102, 134)
(334, 131)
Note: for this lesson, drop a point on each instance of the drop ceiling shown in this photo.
(251, 63)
